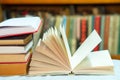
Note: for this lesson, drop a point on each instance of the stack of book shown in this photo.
(15, 54)
(16, 44)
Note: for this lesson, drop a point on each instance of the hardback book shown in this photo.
(97, 24)
(16, 40)
(72, 33)
(83, 29)
(119, 37)
(16, 48)
(52, 56)
(111, 34)
(89, 17)
(102, 31)
(18, 26)
(116, 34)
(37, 35)
(14, 68)
(106, 31)
(18, 57)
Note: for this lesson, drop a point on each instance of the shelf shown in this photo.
(115, 57)
(60, 1)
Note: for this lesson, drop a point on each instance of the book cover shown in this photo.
(16, 40)
(52, 56)
(16, 48)
(111, 34)
(97, 25)
(36, 36)
(14, 68)
(116, 34)
(102, 31)
(18, 57)
(83, 30)
(19, 26)
(78, 31)
(119, 38)
(89, 24)
(106, 31)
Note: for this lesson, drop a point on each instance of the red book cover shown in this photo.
(97, 22)
(83, 30)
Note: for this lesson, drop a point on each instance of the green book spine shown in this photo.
(111, 34)
(70, 33)
(119, 37)
(93, 18)
(102, 31)
(116, 41)
(89, 24)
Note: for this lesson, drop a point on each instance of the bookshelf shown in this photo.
(60, 1)
(110, 5)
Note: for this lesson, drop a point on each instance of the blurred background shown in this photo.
(79, 18)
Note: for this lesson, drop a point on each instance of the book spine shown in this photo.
(119, 37)
(102, 31)
(106, 31)
(70, 37)
(58, 22)
(89, 24)
(83, 30)
(78, 30)
(64, 20)
(68, 26)
(74, 34)
(1, 14)
(110, 36)
(93, 22)
(97, 28)
(116, 34)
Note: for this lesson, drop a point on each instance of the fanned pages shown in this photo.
(52, 56)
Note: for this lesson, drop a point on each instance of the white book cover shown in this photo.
(17, 26)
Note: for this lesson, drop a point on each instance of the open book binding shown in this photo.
(53, 56)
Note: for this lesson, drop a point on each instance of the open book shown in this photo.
(53, 56)
(17, 26)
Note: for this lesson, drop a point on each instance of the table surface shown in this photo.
(116, 76)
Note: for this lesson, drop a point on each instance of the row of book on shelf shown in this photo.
(79, 27)
(62, 50)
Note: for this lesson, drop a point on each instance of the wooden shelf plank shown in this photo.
(59, 1)
(115, 56)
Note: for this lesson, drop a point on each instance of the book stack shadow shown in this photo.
(15, 53)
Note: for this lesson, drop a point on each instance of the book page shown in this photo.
(100, 59)
(86, 47)
(66, 43)
(52, 42)
(22, 22)
(96, 61)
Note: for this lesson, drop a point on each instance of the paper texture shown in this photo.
(87, 46)
(25, 22)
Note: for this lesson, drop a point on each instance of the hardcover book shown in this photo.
(16, 40)
(14, 68)
(18, 26)
(18, 57)
(52, 56)
(16, 48)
